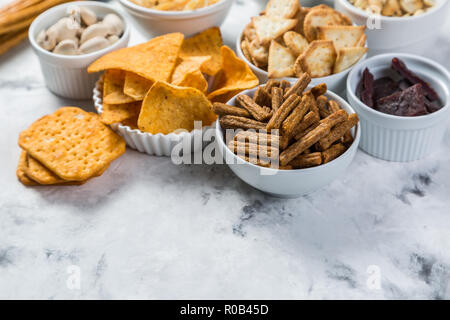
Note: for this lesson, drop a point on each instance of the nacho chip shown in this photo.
(116, 113)
(342, 36)
(188, 65)
(194, 79)
(281, 61)
(153, 60)
(113, 87)
(282, 8)
(136, 86)
(296, 42)
(167, 108)
(318, 59)
(270, 28)
(206, 43)
(235, 76)
(347, 57)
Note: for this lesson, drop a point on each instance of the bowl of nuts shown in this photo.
(287, 139)
(69, 37)
(397, 25)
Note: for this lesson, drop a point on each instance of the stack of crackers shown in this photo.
(16, 17)
(168, 82)
(67, 147)
(288, 40)
(282, 124)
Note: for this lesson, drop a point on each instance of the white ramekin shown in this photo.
(67, 76)
(334, 82)
(155, 144)
(398, 34)
(157, 22)
(397, 138)
(289, 183)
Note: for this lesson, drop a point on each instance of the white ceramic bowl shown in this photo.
(334, 82)
(157, 22)
(288, 183)
(172, 144)
(399, 34)
(397, 138)
(67, 76)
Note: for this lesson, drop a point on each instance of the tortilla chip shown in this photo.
(235, 76)
(116, 113)
(194, 79)
(187, 65)
(167, 108)
(206, 43)
(136, 86)
(153, 60)
(113, 87)
(347, 57)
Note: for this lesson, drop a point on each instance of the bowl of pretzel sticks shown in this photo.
(287, 139)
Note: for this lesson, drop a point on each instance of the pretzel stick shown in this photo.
(338, 132)
(309, 119)
(321, 105)
(258, 112)
(282, 112)
(254, 149)
(288, 126)
(258, 137)
(332, 153)
(222, 109)
(299, 86)
(234, 122)
(277, 98)
(307, 160)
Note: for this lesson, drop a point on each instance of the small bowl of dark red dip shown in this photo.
(403, 103)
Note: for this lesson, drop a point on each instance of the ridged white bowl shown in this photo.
(153, 144)
(397, 138)
(64, 75)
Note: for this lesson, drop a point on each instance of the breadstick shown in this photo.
(234, 122)
(347, 139)
(223, 109)
(277, 98)
(258, 137)
(16, 26)
(338, 132)
(312, 137)
(254, 149)
(288, 126)
(262, 97)
(318, 90)
(282, 112)
(271, 84)
(299, 86)
(284, 84)
(307, 160)
(264, 163)
(258, 112)
(11, 40)
(308, 120)
(333, 106)
(321, 105)
(333, 152)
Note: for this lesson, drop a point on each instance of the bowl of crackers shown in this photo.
(397, 25)
(287, 40)
(186, 16)
(287, 139)
(156, 107)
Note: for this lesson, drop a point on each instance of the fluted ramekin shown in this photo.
(396, 138)
(172, 144)
(65, 75)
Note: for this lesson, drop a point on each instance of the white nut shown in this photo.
(95, 30)
(46, 40)
(113, 39)
(67, 47)
(94, 44)
(88, 16)
(65, 28)
(115, 23)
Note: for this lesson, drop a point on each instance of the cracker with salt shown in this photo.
(281, 61)
(318, 59)
(72, 143)
(347, 57)
(21, 170)
(282, 8)
(270, 28)
(342, 36)
(296, 42)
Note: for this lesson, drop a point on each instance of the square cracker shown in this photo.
(281, 61)
(318, 59)
(321, 16)
(296, 42)
(21, 170)
(270, 28)
(342, 36)
(72, 143)
(282, 8)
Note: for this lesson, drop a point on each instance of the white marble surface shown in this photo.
(150, 229)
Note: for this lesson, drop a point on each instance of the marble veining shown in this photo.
(150, 229)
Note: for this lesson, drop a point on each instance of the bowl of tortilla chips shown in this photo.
(186, 16)
(165, 108)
